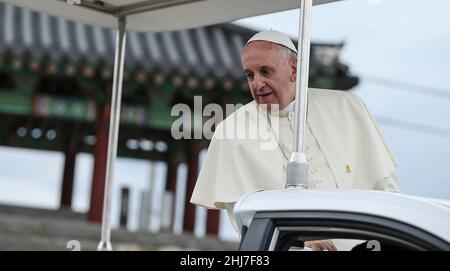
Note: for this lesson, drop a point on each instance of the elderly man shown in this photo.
(343, 146)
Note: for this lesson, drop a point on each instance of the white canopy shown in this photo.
(159, 15)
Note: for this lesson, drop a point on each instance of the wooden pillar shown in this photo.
(172, 174)
(69, 168)
(212, 222)
(124, 207)
(192, 152)
(99, 172)
(169, 199)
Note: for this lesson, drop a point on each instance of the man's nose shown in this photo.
(258, 82)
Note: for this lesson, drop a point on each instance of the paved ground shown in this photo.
(35, 229)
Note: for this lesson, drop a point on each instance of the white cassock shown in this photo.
(344, 148)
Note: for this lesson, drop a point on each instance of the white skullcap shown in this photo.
(275, 37)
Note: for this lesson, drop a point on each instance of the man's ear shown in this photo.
(293, 70)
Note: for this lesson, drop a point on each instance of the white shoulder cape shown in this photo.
(343, 127)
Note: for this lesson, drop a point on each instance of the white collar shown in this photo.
(285, 111)
(289, 108)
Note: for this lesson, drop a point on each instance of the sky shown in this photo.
(404, 41)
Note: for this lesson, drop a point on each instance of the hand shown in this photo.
(321, 245)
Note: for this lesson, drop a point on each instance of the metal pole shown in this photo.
(116, 97)
(297, 171)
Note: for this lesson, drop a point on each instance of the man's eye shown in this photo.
(265, 72)
(248, 76)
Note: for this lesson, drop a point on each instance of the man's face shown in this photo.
(271, 77)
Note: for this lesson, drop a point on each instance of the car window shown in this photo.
(289, 230)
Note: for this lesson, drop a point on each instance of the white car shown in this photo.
(284, 219)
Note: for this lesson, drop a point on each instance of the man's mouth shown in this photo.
(265, 97)
(265, 94)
